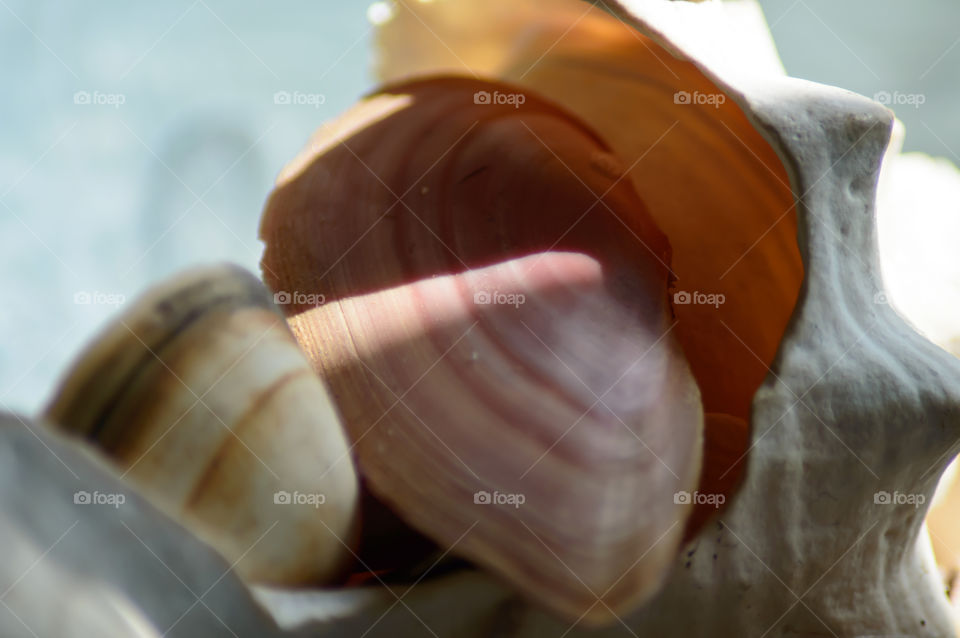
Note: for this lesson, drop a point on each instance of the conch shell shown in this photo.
(765, 188)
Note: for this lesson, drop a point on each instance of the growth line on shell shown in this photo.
(376, 222)
(599, 200)
(387, 411)
(417, 416)
(599, 399)
(399, 199)
(199, 399)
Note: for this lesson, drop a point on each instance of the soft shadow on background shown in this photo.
(141, 138)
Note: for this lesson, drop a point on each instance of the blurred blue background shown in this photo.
(139, 138)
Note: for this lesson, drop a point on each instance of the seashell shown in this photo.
(848, 405)
(497, 336)
(76, 567)
(199, 395)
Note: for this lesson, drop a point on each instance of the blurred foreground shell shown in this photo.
(81, 568)
(497, 334)
(202, 398)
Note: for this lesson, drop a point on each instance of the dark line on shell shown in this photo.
(255, 297)
(247, 419)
